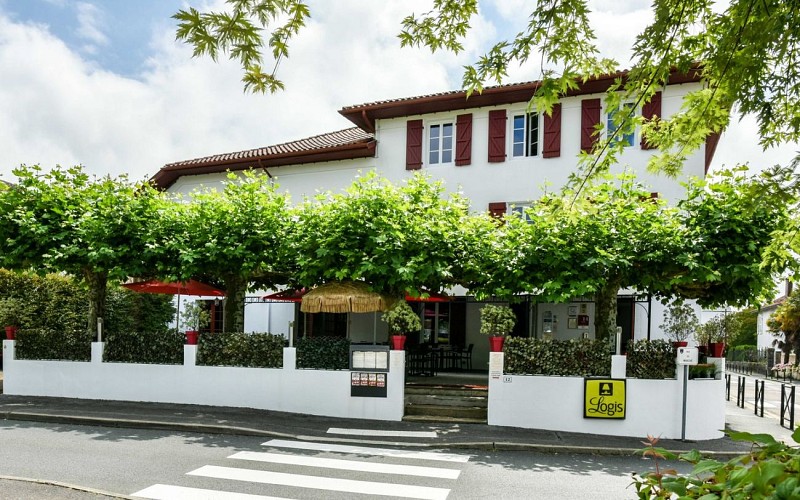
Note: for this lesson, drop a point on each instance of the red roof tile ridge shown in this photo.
(326, 140)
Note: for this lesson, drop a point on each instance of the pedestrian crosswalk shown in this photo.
(297, 469)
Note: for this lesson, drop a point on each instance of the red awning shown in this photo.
(190, 287)
(432, 297)
(286, 296)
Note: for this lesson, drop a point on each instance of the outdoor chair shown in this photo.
(465, 358)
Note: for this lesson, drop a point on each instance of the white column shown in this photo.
(189, 355)
(619, 366)
(97, 352)
(289, 358)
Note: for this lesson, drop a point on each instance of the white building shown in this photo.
(487, 146)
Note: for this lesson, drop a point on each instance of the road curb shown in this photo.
(69, 486)
(247, 431)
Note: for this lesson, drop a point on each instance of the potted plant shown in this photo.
(703, 337)
(401, 320)
(194, 317)
(497, 322)
(680, 321)
(10, 316)
(719, 328)
(702, 370)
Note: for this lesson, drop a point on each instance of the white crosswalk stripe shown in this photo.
(365, 450)
(323, 483)
(352, 465)
(382, 433)
(314, 473)
(169, 492)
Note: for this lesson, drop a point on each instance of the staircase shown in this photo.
(446, 403)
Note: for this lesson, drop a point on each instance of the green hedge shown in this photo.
(59, 303)
(323, 353)
(164, 348)
(653, 359)
(252, 350)
(580, 358)
(74, 345)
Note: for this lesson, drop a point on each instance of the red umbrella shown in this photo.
(190, 287)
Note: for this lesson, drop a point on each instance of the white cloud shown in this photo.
(57, 107)
(90, 20)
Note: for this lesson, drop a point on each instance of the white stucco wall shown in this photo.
(653, 407)
(314, 392)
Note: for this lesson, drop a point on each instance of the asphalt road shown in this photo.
(170, 464)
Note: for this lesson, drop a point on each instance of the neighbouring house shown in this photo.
(490, 147)
(765, 338)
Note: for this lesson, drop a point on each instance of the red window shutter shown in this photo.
(590, 117)
(463, 139)
(552, 133)
(497, 209)
(497, 136)
(414, 145)
(711, 147)
(650, 111)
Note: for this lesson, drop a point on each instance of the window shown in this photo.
(525, 135)
(624, 112)
(440, 143)
(520, 210)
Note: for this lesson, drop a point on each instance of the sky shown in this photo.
(103, 83)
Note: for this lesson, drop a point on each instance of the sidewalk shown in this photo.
(250, 422)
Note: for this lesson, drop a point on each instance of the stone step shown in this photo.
(447, 411)
(454, 390)
(446, 400)
(441, 419)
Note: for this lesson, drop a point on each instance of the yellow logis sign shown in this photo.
(603, 398)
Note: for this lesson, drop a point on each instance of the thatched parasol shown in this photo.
(344, 297)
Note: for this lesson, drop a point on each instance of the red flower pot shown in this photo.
(398, 342)
(191, 337)
(11, 332)
(496, 343)
(682, 343)
(717, 348)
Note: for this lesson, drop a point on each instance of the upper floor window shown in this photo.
(520, 210)
(440, 143)
(525, 134)
(624, 112)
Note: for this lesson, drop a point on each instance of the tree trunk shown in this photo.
(605, 311)
(98, 284)
(236, 289)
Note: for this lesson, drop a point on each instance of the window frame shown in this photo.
(635, 135)
(526, 144)
(517, 209)
(441, 124)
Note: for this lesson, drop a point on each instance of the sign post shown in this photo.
(686, 356)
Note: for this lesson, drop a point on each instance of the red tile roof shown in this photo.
(340, 145)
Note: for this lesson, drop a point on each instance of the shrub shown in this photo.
(581, 358)
(497, 320)
(58, 303)
(652, 359)
(250, 350)
(401, 319)
(164, 348)
(770, 470)
(323, 353)
(74, 345)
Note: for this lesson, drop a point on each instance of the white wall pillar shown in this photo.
(289, 358)
(97, 352)
(189, 355)
(619, 366)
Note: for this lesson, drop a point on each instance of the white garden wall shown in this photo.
(653, 406)
(314, 392)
